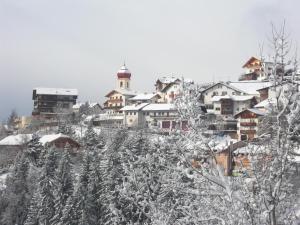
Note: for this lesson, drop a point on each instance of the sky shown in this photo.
(82, 43)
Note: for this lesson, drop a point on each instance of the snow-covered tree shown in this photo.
(17, 193)
(34, 151)
(46, 189)
(63, 184)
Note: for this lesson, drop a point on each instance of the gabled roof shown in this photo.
(251, 60)
(159, 107)
(145, 96)
(249, 87)
(167, 80)
(225, 84)
(52, 137)
(123, 92)
(134, 107)
(267, 103)
(55, 91)
(255, 111)
(16, 140)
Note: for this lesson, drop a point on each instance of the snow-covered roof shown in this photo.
(224, 84)
(249, 87)
(255, 111)
(55, 91)
(123, 92)
(19, 139)
(159, 107)
(143, 97)
(234, 98)
(167, 80)
(223, 145)
(134, 107)
(267, 103)
(124, 69)
(51, 137)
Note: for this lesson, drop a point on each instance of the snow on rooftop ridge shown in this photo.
(167, 80)
(159, 107)
(172, 79)
(55, 91)
(134, 107)
(267, 103)
(127, 92)
(249, 87)
(19, 139)
(144, 96)
(51, 137)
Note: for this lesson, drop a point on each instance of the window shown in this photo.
(127, 85)
(224, 93)
(121, 84)
(217, 109)
(209, 106)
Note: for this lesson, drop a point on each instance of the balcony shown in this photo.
(248, 124)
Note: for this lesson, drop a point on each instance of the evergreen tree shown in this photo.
(63, 184)
(33, 211)
(34, 150)
(17, 193)
(80, 209)
(65, 128)
(46, 189)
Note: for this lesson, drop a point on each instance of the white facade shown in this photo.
(219, 89)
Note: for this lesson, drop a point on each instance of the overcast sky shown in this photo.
(82, 43)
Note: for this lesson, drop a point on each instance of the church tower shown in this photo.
(124, 76)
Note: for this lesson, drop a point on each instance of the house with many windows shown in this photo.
(49, 102)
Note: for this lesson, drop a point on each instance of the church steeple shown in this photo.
(124, 76)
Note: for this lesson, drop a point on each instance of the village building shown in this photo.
(227, 106)
(11, 146)
(163, 82)
(50, 102)
(170, 87)
(60, 141)
(145, 98)
(119, 97)
(255, 69)
(161, 116)
(247, 124)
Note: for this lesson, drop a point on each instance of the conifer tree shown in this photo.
(46, 189)
(17, 193)
(32, 211)
(34, 150)
(63, 184)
